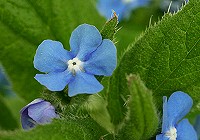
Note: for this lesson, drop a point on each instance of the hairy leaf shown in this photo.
(76, 129)
(110, 28)
(141, 120)
(166, 57)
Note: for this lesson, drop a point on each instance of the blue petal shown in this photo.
(84, 40)
(54, 81)
(42, 112)
(179, 104)
(185, 131)
(161, 137)
(103, 61)
(122, 9)
(26, 121)
(139, 3)
(51, 56)
(84, 83)
(133, 5)
(165, 120)
(105, 8)
(33, 102)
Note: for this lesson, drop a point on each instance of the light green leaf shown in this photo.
(24, 24)
(77, 129)
(166, 56)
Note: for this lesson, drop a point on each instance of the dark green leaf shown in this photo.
(7, 121)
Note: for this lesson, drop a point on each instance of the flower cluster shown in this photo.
(173, 127)
(121, 7)
(37, 112)
(89, 56)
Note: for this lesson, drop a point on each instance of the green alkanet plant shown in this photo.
(89, 56)
(165, 57)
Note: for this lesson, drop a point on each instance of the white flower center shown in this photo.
(127, 1)
(75, 65)
(171, 134)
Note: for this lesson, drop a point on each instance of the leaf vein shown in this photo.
(176, 67)
(42, 19)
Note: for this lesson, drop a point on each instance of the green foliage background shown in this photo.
(166, 57)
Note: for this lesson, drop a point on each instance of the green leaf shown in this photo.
(15, 104)
(7, 121)
(96, 106)
(141, 120)
(167, 58)
(116, 97)
(76, 129)
(24, 24)
(139, 20)
(110, 28)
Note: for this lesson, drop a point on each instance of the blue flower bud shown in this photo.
(37, 112)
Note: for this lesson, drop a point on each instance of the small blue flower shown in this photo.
(37, 112)
(122, 7)
(89, 56)
(173, 127)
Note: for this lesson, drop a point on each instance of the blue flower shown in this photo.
(173, 127)
(37, 112)
(89, 56)
(122, 7)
